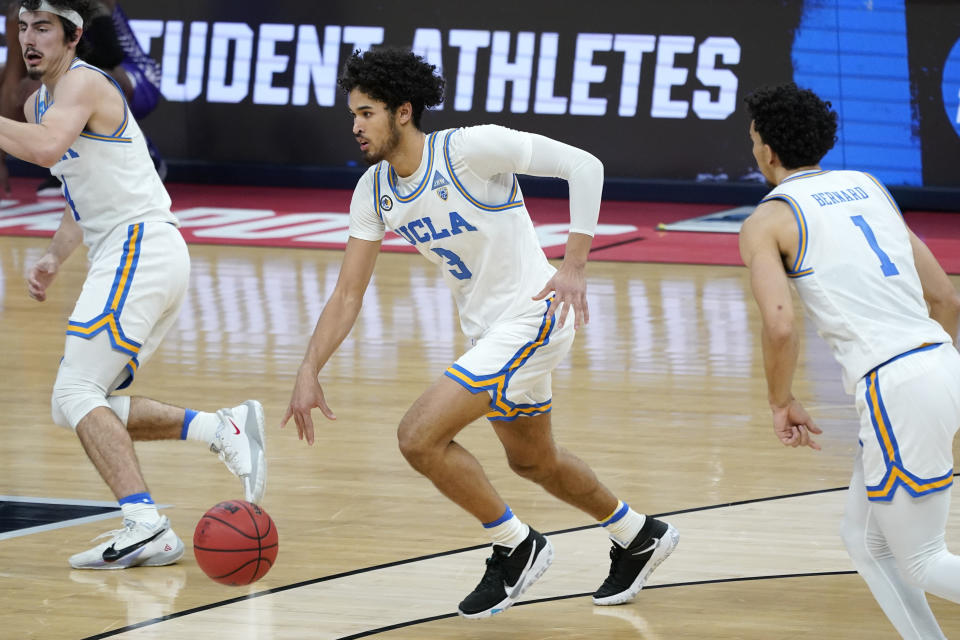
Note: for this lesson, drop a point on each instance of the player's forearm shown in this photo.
(30, 142)
(780, 354)
(66, 239)
(578, 250)
(333, 326)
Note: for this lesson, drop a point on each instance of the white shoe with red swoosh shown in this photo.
(239, 442)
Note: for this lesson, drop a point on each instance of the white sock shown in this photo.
(140, 511)
(199, 425)
(507, 530)
(623, 524)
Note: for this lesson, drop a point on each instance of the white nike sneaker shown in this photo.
(239, 442)
(136, 545)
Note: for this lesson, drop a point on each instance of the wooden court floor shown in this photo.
(662, 395)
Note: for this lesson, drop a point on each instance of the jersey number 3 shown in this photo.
(460, 271)
(886, 264)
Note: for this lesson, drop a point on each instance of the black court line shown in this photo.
(402, 625)
(305, 583)
(617, 243)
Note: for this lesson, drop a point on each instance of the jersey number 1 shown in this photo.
(886, 264)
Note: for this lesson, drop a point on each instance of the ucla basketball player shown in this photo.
(454, 196)
(79, 125)
(889, 313)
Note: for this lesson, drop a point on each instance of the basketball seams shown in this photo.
(256, 527)
(224, 522)
(220, 527)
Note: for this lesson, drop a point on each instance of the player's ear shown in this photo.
(768, 155)
(405, 113)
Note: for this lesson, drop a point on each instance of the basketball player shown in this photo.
(80, 127)
(889, 312)
(454, 195)
(109, 44)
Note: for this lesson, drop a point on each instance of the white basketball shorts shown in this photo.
(133, 292)
(909, 412)
(512, 361)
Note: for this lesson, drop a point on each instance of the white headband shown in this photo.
(69, 14)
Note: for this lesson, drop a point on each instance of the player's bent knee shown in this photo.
(75, 396)
(536, 471)
(417, 450)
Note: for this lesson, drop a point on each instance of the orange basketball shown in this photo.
(235, 542)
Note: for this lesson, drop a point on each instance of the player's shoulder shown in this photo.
(367, 177)
(483, 141)
(479, 132)
(83, 78)
(363, 192)
(30, 105)
(767, 217)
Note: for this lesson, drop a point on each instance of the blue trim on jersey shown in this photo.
(886, 193)
(376, 191)
(923, 347)
(116, 135)
(510, 204)
(427, 175)
(806, 174)
(795, 271)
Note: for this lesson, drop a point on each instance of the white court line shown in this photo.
(63, 523)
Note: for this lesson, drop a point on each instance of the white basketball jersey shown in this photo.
(854, 269)
(476, 229)
(108, 180)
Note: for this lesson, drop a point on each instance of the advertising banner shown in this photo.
(654, 89)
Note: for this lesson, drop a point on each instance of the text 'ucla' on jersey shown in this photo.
(465, 216)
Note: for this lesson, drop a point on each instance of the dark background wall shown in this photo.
(654, 89)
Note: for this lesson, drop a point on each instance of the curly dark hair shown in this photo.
(394, 76)
(86, 9)
(799, 126)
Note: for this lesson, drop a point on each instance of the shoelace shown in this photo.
(494, 575)
(224, 451)
(127, 526)
(615, 552)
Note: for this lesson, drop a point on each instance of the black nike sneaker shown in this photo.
(137, 544)
(508, 575)
(630, 567)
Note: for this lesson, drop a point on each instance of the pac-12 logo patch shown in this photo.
(443, 193)
(951, 86)
(386, 203)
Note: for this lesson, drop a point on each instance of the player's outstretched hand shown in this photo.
(40, 275)
(307, 395)
(793, 425)
(569, 287)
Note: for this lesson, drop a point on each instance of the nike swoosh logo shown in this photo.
(653, 545)
(236, 429)
(111, 554)
(514, 591)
